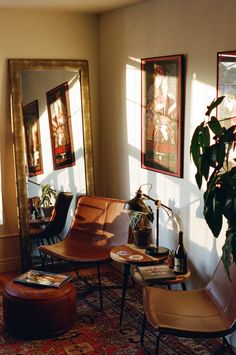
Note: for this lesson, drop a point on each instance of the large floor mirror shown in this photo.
(50, 106)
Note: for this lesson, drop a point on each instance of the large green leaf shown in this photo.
(206, 137)
(213, 210)
(215, 126)
(195, 146)
(229, 135)
(204, 164)
(221, 155)
(198, 178)
(214, 104)
(212, 155)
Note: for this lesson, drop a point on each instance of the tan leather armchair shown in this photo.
(99, 224)
(209, 312)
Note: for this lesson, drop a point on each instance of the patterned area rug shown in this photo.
(98, 333)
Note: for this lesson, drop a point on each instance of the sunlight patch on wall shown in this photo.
(133, 106)
(202, 95)
(133, 119)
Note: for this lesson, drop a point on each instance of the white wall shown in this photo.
(43, 35)
(197, 29)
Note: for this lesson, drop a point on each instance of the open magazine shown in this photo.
(42, 278)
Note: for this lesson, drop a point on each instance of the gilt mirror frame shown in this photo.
(16, 67)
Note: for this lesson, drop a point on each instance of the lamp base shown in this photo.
(157, 251)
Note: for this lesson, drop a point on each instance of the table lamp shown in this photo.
(137, 204)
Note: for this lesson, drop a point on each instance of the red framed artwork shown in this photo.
(60, 126)
(32, 137)
(163, 114)
(226, 84)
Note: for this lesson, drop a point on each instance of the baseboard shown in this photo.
(10, 264)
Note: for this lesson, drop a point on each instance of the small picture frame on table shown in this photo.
(163, 114)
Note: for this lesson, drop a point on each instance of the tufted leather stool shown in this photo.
(31, 312)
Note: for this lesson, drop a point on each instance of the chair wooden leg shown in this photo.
(99, 286)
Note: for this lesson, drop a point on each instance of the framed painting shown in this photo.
(60, 126)
(226, 85)
(33, 140)
(163, 114)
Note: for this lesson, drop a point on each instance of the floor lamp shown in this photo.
(137, 204)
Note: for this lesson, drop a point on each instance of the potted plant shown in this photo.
(47, 199)
(141, 226)
(211, 147)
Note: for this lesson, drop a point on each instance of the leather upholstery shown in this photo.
(38, 312)
(207, 312)
(99, 224)
(57, 220)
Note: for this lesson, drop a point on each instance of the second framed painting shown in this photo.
(33, 139)
(226, 85)
(163, 114)
(60, 126)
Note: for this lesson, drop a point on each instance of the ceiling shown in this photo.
(84, 6)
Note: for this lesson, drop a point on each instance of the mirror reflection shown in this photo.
(52, 139)
(53, 131)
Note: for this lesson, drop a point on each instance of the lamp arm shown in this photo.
(157, 202)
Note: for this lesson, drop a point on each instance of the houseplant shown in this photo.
(47, 199)
(211, 147)
(141, 226)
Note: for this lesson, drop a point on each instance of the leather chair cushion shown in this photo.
(191, 311)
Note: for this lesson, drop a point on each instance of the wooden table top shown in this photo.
(131, 254)
(39, 221)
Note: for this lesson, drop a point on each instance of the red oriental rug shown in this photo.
(98, 333)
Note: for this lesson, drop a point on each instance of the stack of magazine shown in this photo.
(43, 279)
(155, 273)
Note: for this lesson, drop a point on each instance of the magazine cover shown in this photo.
(41, 278)
(156, 272)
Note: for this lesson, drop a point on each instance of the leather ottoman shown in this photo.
(33, 312)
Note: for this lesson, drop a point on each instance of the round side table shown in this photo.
(130, 256)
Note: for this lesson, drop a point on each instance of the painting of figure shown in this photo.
(60, 126)
(162, 114)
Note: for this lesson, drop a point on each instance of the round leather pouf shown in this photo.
(31, 312)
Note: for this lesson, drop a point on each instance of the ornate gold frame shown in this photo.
(16, 66)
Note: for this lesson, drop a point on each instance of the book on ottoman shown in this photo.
(156, 273)
(42, 278)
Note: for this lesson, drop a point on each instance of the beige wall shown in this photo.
(197, 29)
(33, 34)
